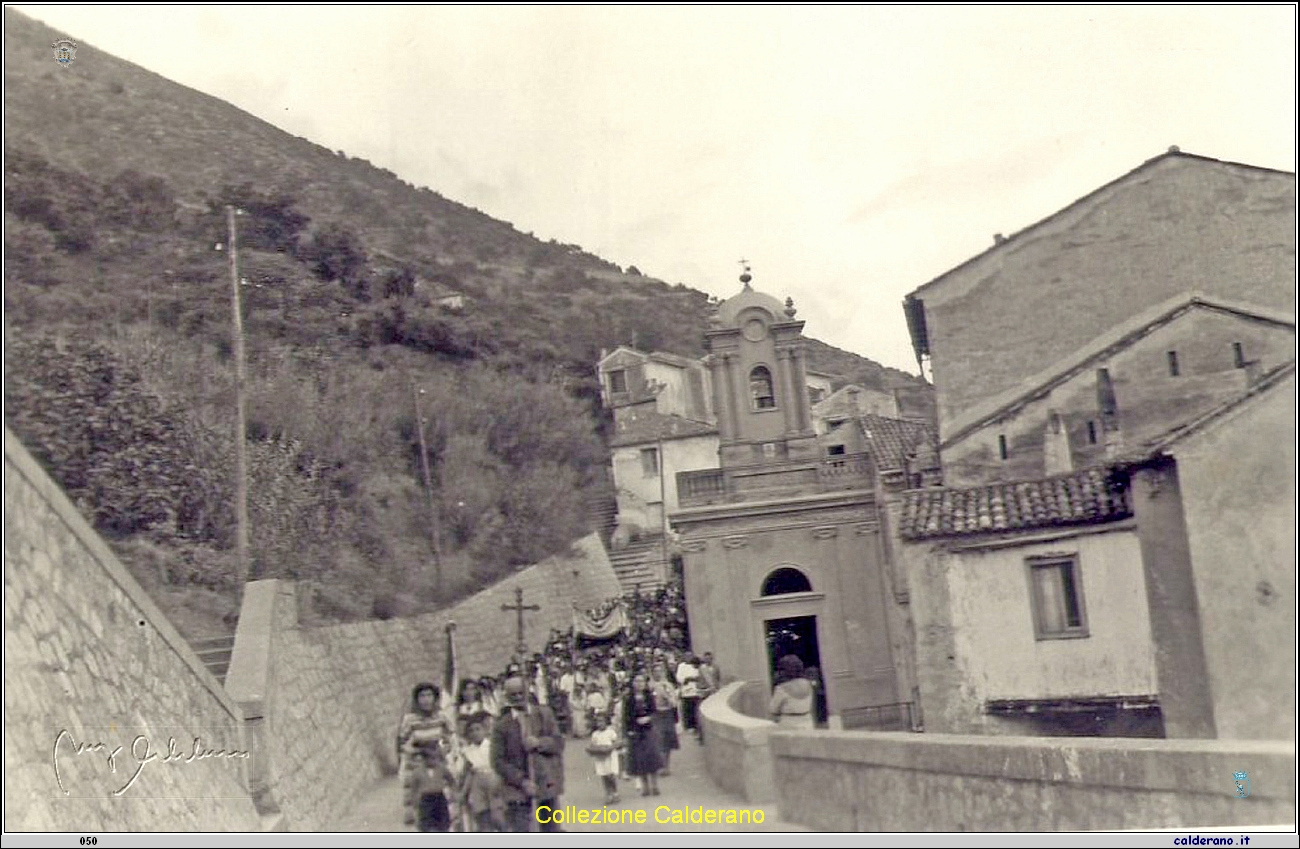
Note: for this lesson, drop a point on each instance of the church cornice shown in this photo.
(860, 505)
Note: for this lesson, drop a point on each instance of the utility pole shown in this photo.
(428, 489)
(663, 514)
(241, 462)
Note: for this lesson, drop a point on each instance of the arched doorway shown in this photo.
(796, 635)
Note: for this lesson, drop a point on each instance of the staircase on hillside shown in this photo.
(640, 565)
(215, 654)
(602, 508)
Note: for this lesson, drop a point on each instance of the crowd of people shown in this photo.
(486, 756)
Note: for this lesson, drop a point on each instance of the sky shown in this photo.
(850, 154)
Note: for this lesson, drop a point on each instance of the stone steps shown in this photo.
(215, 653)
(640, 565)
(602, 508)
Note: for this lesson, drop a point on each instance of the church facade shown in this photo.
(781, 542)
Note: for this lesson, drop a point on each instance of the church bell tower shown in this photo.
(756, 362)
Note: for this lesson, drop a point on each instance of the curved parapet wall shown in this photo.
(899, 781)
(736, 746)
(92, 665)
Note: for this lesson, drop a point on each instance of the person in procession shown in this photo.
(528, 756)
(665, 697)
(603, 748)
(792, 701)
(423, 741)
(643, 735)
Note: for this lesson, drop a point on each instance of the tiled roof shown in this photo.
(1084, 497)
(651, 426)
(892, 441)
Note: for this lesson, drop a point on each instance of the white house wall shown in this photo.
(638, 494)
(675, 397)
(1239, 499)
(993, 626)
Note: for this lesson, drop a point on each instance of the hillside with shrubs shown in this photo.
(119, 372)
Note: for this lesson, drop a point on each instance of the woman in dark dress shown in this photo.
(643, 735)
(665, 693)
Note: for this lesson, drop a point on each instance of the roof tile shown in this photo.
(892, 441)
(1088, 496)
(651, 426)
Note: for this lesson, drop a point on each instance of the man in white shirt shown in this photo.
(688, 680)
(706, 684)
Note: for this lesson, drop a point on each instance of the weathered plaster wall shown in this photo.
(1239, 497)
(1179, 224)
(994, 625)
(973, 631)
(1149, 399)
(639, 497)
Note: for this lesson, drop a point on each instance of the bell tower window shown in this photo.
(760, 389)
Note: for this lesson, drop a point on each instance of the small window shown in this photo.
(1106, 393)
(760, 388)
(618, 381)
(1172, 356)
(1092, 432)
(650, 461)
(1002, 446)
(1238, 355)
(835, 450)
(769, 450)
(1056, 594)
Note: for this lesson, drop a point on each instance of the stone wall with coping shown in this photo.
(88, 653)
(856, 781)
(326, 702)
(735, 746)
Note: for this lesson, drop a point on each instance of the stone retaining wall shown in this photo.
(326, 702)
(88, 653)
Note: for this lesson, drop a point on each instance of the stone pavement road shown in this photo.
(688, 786)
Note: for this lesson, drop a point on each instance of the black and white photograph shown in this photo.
(650, 420)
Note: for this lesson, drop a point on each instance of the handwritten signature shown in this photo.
(140, 753)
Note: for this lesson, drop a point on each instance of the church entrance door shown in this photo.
(796, 635)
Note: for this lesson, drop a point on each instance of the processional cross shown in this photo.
(519, 607)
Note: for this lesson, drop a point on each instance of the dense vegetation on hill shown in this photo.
(118, 353)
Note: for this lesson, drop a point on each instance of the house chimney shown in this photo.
(1113, 437)
(1056, 446)
(1252, 369)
